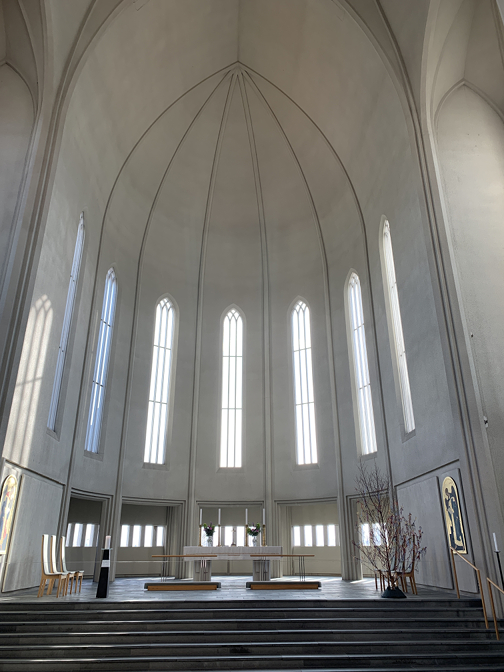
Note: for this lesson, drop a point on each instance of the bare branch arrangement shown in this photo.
(394, 538)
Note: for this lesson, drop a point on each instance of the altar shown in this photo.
(260, 556)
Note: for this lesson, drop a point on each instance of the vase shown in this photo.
(254, 541)
(209, 540)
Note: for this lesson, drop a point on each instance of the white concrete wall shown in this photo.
(252, 187)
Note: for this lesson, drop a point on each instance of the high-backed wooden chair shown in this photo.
(74, 576)
(47, 572)
(405, 575)
(54, 565)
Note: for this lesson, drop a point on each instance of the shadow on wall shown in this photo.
(29, 380)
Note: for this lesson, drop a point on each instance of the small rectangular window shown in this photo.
(240, 535)
(319, 535)
(159, 535)
(296, 535)
(228, 535)
(365, 534)
(137, 536)
(331, 535)
(68, 540)
(125, 533)
(77, 535)
(89, 535)
(149, 536)
(308, 535)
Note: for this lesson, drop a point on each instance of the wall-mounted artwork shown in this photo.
(7, 505)
(453, 516)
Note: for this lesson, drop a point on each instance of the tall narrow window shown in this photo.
(101, 363)
(400, 350)
(306, 438)
(159, 395)
(232, 367)
(67, 321)
(362, 381)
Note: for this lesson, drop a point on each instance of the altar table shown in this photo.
(261, 565)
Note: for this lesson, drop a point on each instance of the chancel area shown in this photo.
(247, 250)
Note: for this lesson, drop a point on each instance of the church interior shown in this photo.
(247, 249)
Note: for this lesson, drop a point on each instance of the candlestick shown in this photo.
(107, 542)
(495, 542)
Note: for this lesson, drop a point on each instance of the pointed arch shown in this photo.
(67, 321)
(362, 381)
(101, 363)
(395, 326)
(231, 447)
(160, 382)
(304, 397)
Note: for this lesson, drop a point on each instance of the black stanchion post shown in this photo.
(497, 553)
(103, 581)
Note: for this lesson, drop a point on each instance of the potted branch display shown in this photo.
(209, 531)
(253, 532)
(389, 542)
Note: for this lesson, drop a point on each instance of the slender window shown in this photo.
(67, 321)
(101, 363)
(125, 534)
(232, 366)
(362, 381)
(159, 394)
(400, 350)
(306, 438)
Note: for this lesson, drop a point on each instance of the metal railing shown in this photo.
(478, 573)
(490, 583)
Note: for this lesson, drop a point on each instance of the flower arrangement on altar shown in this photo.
(254, 530)
(209, 529)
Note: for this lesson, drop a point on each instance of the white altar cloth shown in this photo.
(233, 552)
(261, 565)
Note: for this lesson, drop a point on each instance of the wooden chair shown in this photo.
(54, 564)
(404, 575)
(47, 572)
(74, 576)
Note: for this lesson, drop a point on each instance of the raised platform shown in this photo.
(283, 585)
(183, 585)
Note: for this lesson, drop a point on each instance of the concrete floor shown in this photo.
(233, 588)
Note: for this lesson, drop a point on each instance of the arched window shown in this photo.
(362, 381)
(306, 436)
(395, 315)
(101, 364)
(67, 321)
(232, 382)
(159, 393)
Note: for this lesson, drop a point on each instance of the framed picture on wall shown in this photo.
(7, 505)
(453, 516)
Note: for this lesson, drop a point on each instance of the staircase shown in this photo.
(419, 634)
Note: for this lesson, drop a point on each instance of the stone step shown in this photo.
(235, 613)
(237, 636)
(391, 624)
(71, 602)
(247, 648)
(378, 662)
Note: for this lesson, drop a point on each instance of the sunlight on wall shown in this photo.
(29, 380)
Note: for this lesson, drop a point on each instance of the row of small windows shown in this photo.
(232, 369)
(82, 535)
(315, 535)
(142, 536)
